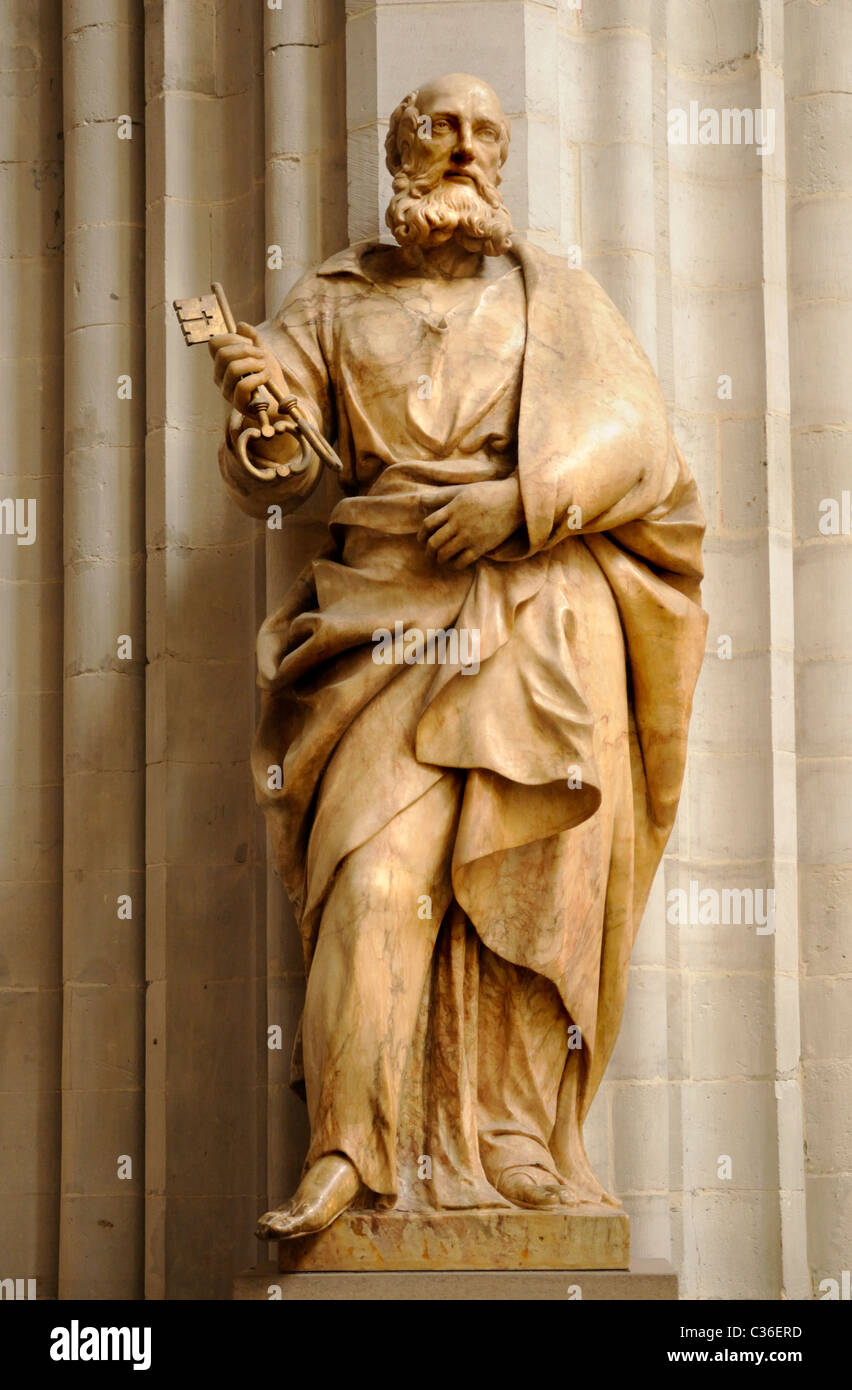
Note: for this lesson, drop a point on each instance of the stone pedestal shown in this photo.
(587, 1238)
(645, 1280)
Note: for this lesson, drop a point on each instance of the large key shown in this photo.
(207, 316)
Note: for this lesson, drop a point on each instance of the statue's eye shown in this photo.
(440, 124)
(487, 133)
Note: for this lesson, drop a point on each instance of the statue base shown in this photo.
(584, 1237)
(645, 1281)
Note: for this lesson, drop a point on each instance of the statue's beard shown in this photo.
(427, 211)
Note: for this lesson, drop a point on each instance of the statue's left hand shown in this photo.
(478, 518)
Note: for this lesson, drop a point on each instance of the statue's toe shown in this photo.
(608, 1201)
(526, 1189)
(273, 1225)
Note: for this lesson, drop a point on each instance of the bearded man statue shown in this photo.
(468, 847)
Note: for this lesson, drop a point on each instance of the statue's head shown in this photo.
(445, 146)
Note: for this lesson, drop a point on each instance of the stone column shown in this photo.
(607, 117)
(726, 1158)
(818, 48)
(781, 721)
(511, 43)
(305, 89)
(739, 1104)
(206, 1035)
(607, 137)
(31, 186)
(101, 1227)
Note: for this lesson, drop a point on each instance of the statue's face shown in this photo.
(462, 135)
(446, 151)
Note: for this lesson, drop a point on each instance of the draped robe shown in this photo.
(571, 733)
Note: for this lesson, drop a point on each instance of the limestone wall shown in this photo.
(157, 146)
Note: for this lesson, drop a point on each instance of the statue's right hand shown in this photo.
(241, 365)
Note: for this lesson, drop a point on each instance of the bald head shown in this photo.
(457, 102)
(458, 91)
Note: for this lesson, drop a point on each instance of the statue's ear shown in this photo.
(400, 136)
(404, 144)
(392, 148)
(504, 143)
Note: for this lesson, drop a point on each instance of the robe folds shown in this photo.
(572, 731)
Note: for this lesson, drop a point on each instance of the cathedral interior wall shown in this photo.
(147, 948)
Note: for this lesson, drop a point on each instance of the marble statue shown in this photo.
(478, 693)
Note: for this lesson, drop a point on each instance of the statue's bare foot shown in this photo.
(326, 1190)
(609, 1201)
(585, 1185)
(535, 1188)
(590, 1191)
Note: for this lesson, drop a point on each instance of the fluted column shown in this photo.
(31, 188)
(305, 96)
(103, 910)
(206, 1042)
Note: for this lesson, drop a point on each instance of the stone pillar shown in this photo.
(726, 1157)
(31, 186)
(818, 50)
(512, 45)
(305, 86)
(607, 133)
(607, 115)
(103, 909)
(781, 720)
(206, 1036)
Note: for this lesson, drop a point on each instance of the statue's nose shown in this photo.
(463, 153)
